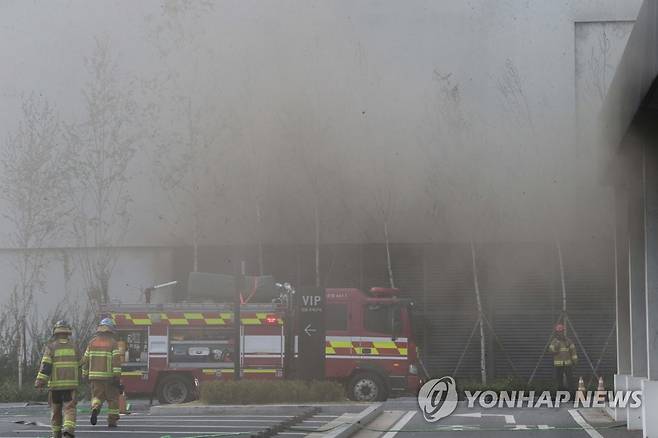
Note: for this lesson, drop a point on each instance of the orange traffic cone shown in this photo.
(123, 404)
(581, 386)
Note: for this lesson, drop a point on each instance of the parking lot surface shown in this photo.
(18, 420)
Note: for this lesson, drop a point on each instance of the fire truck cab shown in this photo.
(369, 343)
(170, 349)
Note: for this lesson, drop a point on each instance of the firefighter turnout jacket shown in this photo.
(102, 359)
(564, 352)
(59, 365)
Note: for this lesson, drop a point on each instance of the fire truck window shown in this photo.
(336, 316)
(382, 319)
(133, 346)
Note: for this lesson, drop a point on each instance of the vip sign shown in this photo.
(310, 331)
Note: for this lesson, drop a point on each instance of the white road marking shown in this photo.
(457, 428)
(124, 432)
(400, 424)
(462, 427)
(224, 416)
(582, 423)
(199, 420)
(175, 426)
(509, 419)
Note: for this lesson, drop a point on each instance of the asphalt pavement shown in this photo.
(401, 419)
(18, 420)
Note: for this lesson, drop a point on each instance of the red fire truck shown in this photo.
(171, 348)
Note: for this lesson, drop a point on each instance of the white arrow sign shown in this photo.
(308, 330)
(509, 419)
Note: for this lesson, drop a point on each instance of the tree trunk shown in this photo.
(562, 282)
(105, 288)
(389, 265)
(476, 285)
(195, 246)
(563, 285)
(20, 355)
(259, 219)
(24, 345)
(317, 245)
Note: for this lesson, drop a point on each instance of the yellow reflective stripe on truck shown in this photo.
(184, 319)
(368, 347)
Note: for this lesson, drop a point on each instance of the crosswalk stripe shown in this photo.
(400, 424)
(174, 426)
(118, 431)
(211, 416)
(199, 420)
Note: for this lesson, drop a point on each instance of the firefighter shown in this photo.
(564, 358)
(59, 371)
(102, 366)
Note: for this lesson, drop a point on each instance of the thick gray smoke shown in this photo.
(445, 120)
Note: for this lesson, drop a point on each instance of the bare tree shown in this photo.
(104, 143)
(176, 24)
(385, 198)
(515, 102)
(187, 164)
(447, 134)
(257, 166)
(78, 314)
(307, 138)
(189, 152)
(384, 189)
(599, 66)
(35, 186)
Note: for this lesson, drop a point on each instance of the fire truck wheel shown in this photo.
(174, 389)
(366, 387)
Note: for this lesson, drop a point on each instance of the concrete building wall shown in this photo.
(636, 218)
(633, 76)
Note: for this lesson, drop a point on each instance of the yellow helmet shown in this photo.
(62, 327)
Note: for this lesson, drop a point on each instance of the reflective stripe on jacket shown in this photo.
(102, 359)
(59, 365)
(564, 352)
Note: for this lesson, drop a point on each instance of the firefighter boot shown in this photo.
(68, 434)
(94, 416)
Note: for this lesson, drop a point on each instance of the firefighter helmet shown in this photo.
(107, 325)
(559, 328)
(62, 327)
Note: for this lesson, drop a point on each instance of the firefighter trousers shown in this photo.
(63, 405)
(106, 390)
(562, 374)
